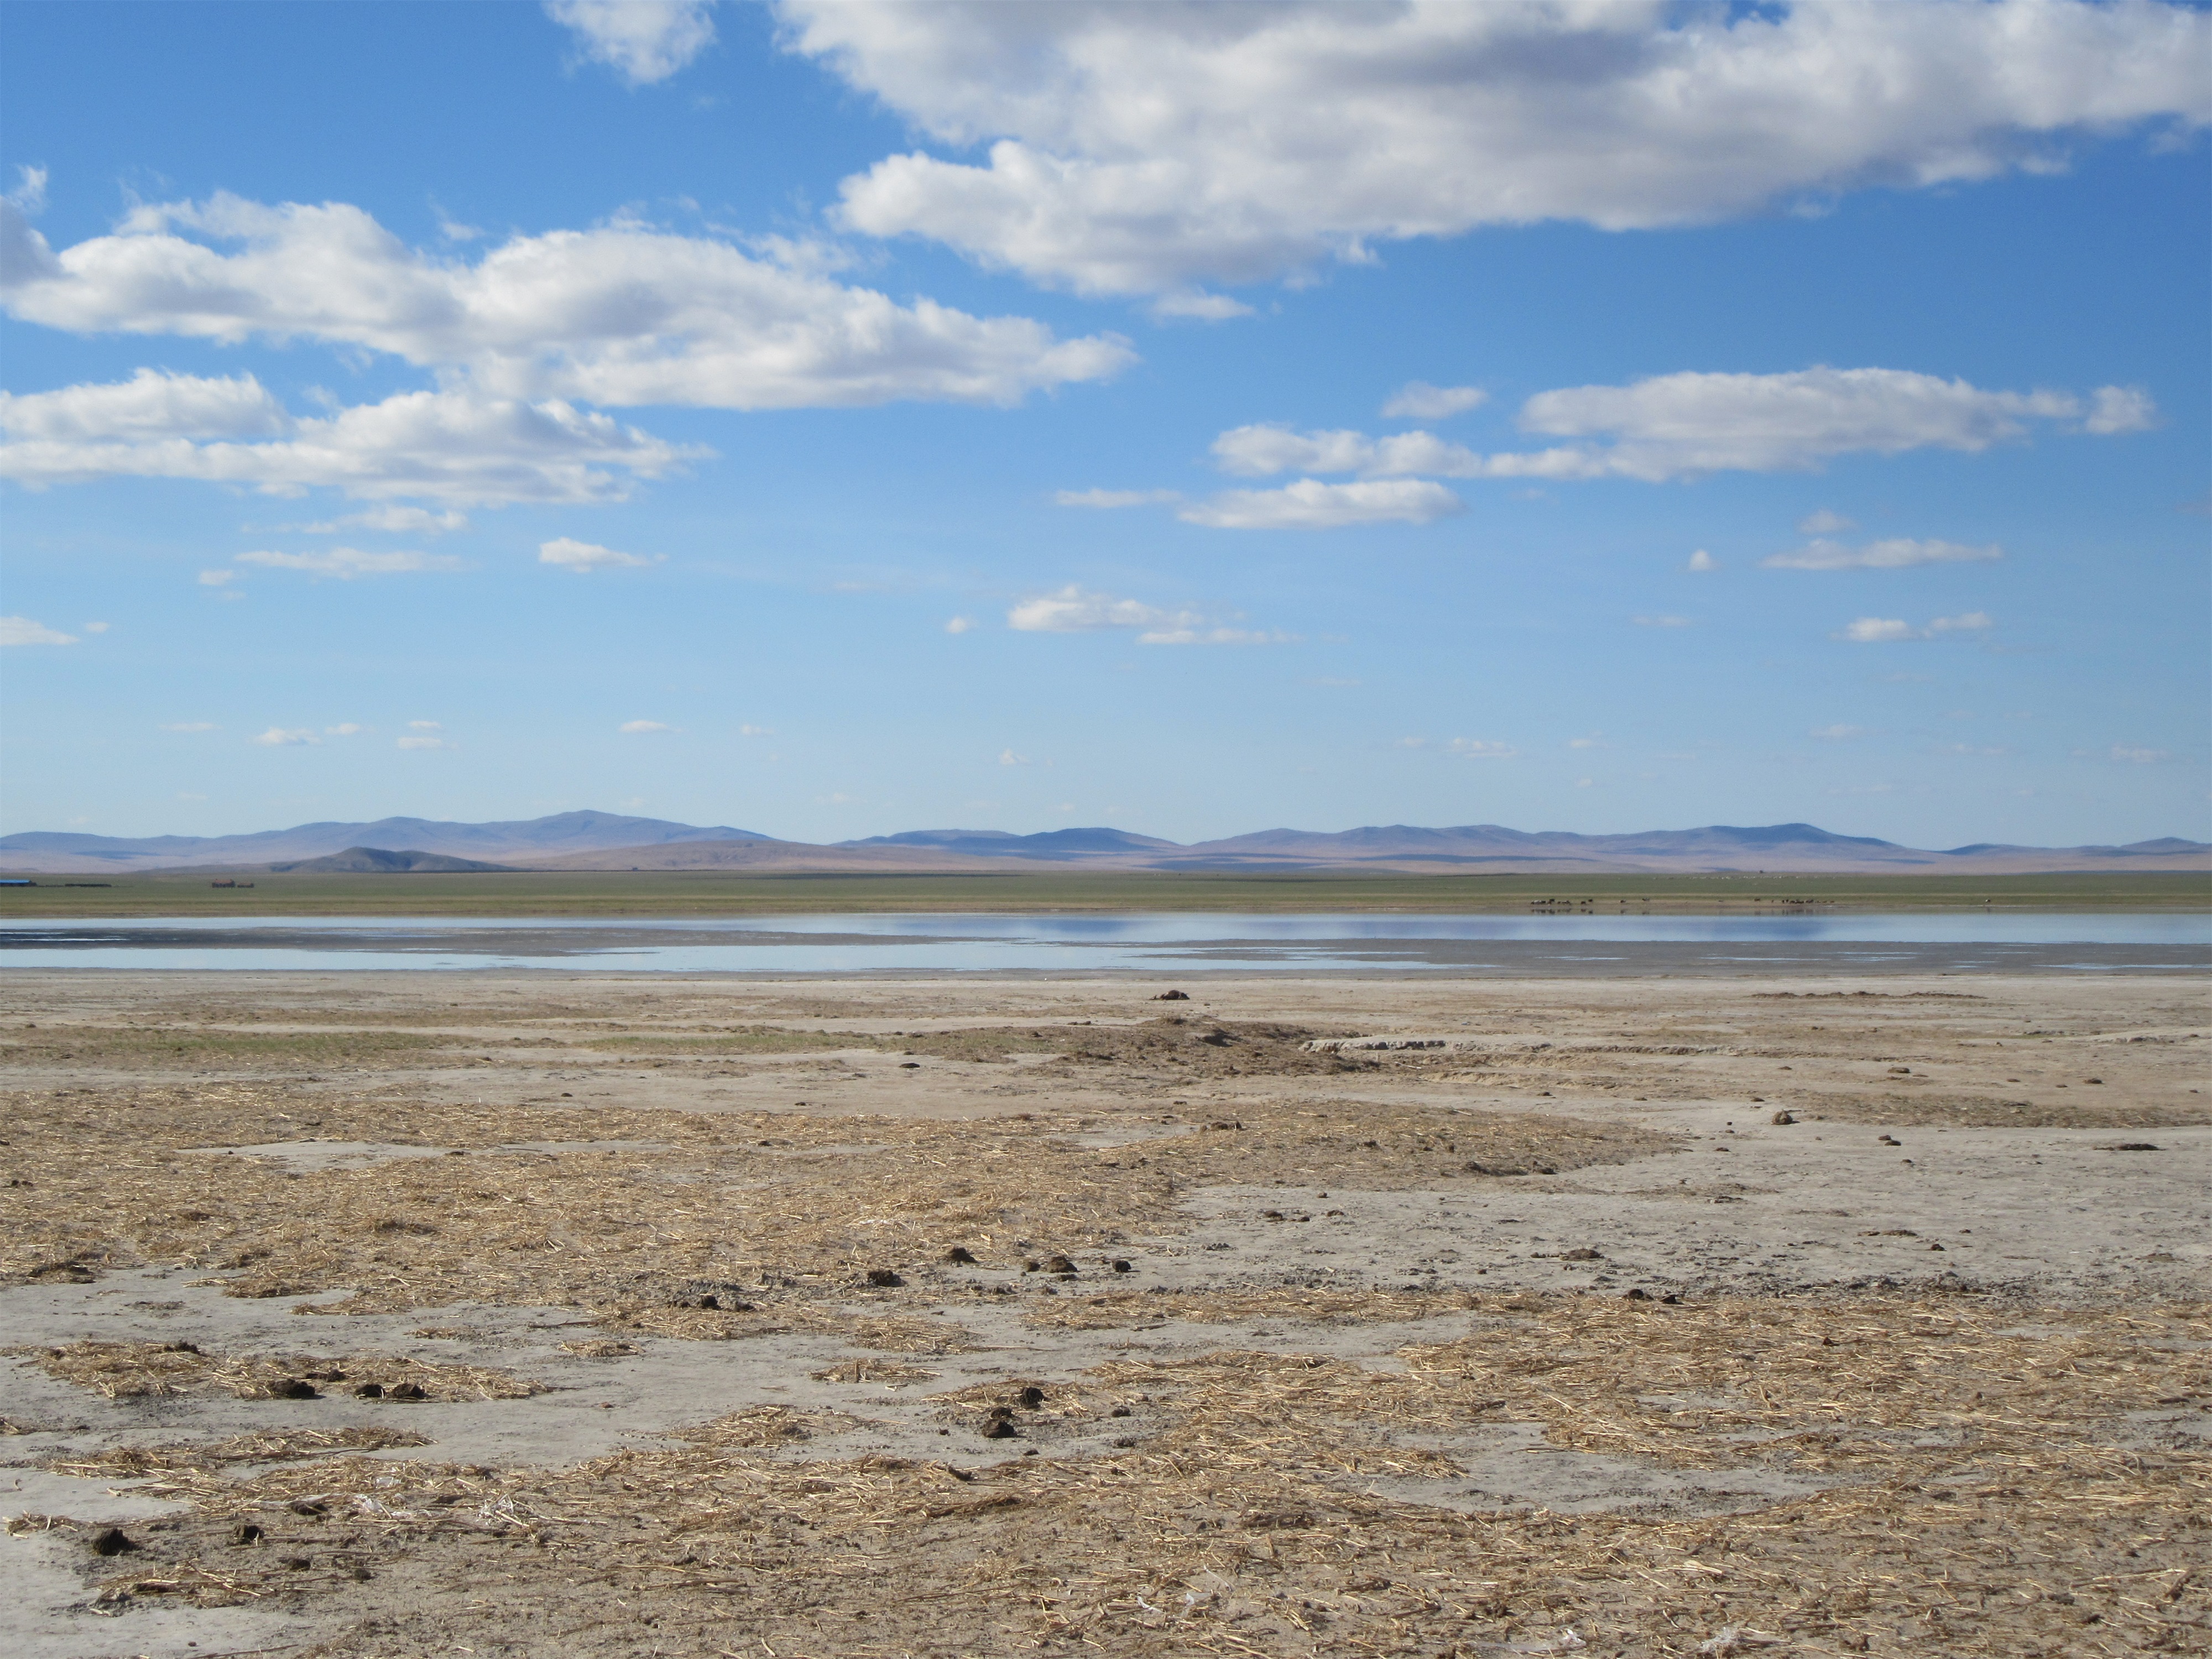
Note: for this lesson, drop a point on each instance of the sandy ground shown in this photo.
(1630, 1316)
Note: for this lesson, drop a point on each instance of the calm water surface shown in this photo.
(893, 944)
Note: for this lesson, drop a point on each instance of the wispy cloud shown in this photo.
(1663, 622)
(423, 742)
(1309, 504)
(21, 630)
(1702, 562)
(348, 729)
(348, 562)
(1008, 757)
(1824, 521)
(188, 725)
(1113, 498)
(1897, 555)
(1075, 610)
(1836, 734)
(1479, 749)
(1885, 630)
(959, 624)
(392, 521)
(641, 728)
(278, 737)
(2137, 755)
(584, 557)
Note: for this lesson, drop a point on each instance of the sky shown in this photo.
(829, 419)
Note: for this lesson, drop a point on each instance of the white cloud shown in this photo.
(94, 627)
(1134, 150)
(756, 731)
(422, 742)
(277, 736)
(189, 725)
(217, 578)
(639, 728)
(396, 520)
(1309, 504)
(424, 725)
(959, 625)
(1674, 426)
(349, 729)
(1824, 522)
(1898, 555)
(1838, 734)
(348, 562)
(1586, 743)
(642, 40)
(1008, 757)
(2121, 409)
(1883, 630)
(1664, 622)
(446, 445)
(1205, 308)
(584, 557)
(2137, 755)
(1111, 498)
(1479, 749)
(1417, 400)
(1075, 611)
(1215, 636)
(620, 314)
(150, 405)
(21, 630)
(1702, 562)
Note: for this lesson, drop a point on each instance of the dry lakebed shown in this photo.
(411, 1314)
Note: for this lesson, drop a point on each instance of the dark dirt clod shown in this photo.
(962, 1253)
(113, 1541)
(1783, 1117)
(884, 1277)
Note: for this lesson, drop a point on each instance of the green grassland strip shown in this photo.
(707, 894)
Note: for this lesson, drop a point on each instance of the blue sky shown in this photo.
(840, 418)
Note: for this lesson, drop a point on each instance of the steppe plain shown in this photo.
(406, 1313)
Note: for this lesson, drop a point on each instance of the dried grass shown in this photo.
(1990, 1505)
(120, 1371)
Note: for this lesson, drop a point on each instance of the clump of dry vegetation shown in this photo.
(131, 1370)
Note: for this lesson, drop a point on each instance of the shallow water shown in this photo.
(1948, 941)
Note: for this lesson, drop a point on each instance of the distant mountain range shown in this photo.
(607, 840)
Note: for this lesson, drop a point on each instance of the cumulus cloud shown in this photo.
(1702, 562)
(1113, 498)
(1417, 400)
(348, 562)
(150, 405)
(642, 40)
(1309, 504)
(1145, 150)
(1683, 425)
(1074, 610)
(959, 624)
(1884, 630)
(449, 445)
(639, 728)
(21, 630)
(584, 557)
(1898, 555)
(278, 737)
(621, 314)
(1008, 757)
(1825, 522)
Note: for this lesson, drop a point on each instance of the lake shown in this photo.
(1182, 943)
